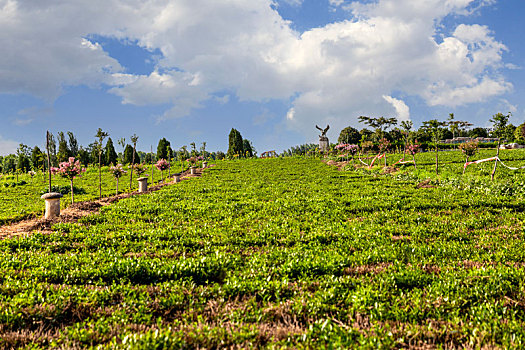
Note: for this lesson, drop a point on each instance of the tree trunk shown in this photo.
(151, 151)
(495, 162)
(48, 160)
(132, 164)
(414, 158)
(99, 175)
(465, 166)
(72, 194)
(117, 186)
(436, 159)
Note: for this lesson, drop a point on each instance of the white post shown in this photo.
(52, 205)
(143, 184)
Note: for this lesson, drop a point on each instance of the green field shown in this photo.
(284, 252)
(22, 201)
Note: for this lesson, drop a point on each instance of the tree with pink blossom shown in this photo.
(162, 164)
(117, 171)
(69, 170)
(413, 149)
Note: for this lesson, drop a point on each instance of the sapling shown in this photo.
(69, 170)
(134, 140)
(413, 149)
(469, 149)
(117, 171)
(101, 135)
(162, 165)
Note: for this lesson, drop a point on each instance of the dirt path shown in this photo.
(76, 211)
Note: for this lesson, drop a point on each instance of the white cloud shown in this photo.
(7, 146)
(332, 73)
(402, 110)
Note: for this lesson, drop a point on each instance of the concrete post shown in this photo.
(52, 205)
(143, 184)
(204, 164)
(177, 177)
(193, 170)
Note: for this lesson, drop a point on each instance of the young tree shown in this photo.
(406, 126)
(162, 165)
(469, 149)
(117, 171)
(183, 155)
(413, 149)
(100, 135)
(435, 129)
(456, 126)
(122, 143)
(69, 170)
(499, 127)
(235, 144)
(110, 154)
(134, 140)
(193, 149)
(203, 150)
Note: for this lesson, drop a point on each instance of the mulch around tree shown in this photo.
(78, 210)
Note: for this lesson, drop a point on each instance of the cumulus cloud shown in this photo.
(402, 110)
(332, 74)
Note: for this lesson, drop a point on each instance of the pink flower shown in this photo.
(162, 164)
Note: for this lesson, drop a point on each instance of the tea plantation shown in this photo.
(284, 252)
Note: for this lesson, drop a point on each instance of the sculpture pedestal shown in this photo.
(143, 184)
(324, 144)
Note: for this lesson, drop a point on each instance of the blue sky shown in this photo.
(191, 70)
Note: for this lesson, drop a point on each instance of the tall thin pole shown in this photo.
(151, 151)
(48, 160)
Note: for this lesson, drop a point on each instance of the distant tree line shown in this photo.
(65, 145)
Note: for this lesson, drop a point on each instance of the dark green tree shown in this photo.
(73, 144)
(128, 155)
(110, 153)
(163, 148)
(349, 135)
(23, 162)
(519, 134)
(247, 149)
(9, 164)
(63, 149)
(235, 143)
(83, 156)
(478, 132)
(37, 158)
